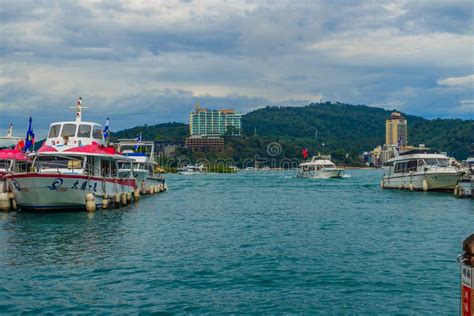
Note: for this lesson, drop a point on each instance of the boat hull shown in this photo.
(436, 181)
(145, 182)
(331, 173)
(62, 192)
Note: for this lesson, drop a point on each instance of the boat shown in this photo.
(145, 169)
(12, 158)
(319, 166)
(192, 169)
(465, 185)
(75, 169)
(420, 169)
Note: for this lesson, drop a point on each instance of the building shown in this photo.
(396, 132)
(204, 122)
(200, 143)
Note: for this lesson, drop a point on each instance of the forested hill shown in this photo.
(343, 128)
(357, 127)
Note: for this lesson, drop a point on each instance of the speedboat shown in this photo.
(319, 167)
(145, 169)
(74, 169)
(192, 169)
(420, 169)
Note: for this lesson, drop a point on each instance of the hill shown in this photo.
(357, 127)
(337, 129)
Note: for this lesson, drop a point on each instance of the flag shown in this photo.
(139, 139)
(305, 153)
(106, 129)
(30, 137)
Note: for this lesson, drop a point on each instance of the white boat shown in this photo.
(465, 185)
(319, 167)
(192, 169)
(420, 169)
(12, 159)
(74, 164)
(145, 169)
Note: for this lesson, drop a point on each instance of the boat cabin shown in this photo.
(416, 163)
(74, 134)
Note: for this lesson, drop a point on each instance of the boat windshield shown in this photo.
(58, 163)
(436, 162)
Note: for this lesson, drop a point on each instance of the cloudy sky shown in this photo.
(149, 61)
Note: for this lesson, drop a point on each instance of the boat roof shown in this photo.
(317, 162)
(418, 151)
(13, 154)
(93, 149)
(418, 156)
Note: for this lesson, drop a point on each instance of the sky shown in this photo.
(148, 62)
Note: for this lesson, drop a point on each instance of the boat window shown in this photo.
(388, 164)
(58, 162)
(421, 162)
(84, 131)
(54, 132)
(401, 167)
(412, 165)
(97, 132)
(4, 164)
(69, 130)
(431, 162)
(443, 162)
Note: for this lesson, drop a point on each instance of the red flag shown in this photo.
(305, 153)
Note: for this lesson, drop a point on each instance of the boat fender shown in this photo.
(425, 185)
(456, 190)
(4, 202)
(166, 187)
(11, 196)
(411, 187)
(117, 200)
(381, 184)
(129, 198)
(136, 194)
(90, 202)
(143, 187)
(124, 198)
(461, 192)
(105, 201)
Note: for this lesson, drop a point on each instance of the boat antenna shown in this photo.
(10, 130)
(79, 108)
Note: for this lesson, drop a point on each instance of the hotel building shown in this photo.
(203, 122)
(396, 130)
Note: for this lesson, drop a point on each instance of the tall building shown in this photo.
(396, 133)
(203, 122)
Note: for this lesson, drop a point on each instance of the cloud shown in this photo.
(149, 61)
(466, 81)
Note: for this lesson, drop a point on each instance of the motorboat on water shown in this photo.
(465, 185)
(146, 170)
(319, 167)
(74, 169)
(420, 169)
(192, 169)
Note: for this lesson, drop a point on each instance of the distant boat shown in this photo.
(192, 169)
(420, 169)
(319, 167)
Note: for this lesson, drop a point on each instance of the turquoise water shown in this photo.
(252, 243)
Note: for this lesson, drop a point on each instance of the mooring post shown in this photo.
(467, 277)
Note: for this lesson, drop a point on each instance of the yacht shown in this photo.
(420, 169)
(145, 169)
(192, 169)
(74, 169)
(319, 167)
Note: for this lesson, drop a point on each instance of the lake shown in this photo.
(250, 242)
